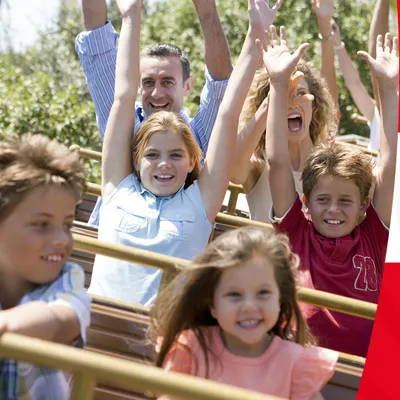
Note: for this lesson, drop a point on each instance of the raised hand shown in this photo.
(278, 60)
(337, 39)
(261, 15)
(127, 6)
(323, 8)
(385, 67)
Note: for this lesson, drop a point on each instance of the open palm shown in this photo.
(125, 6)
(278, 60)
(385, 67)
(261, 15)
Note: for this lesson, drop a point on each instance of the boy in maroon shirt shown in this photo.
(339, 254)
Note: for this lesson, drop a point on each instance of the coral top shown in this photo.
(286, 369)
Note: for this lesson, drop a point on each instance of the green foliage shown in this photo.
(44, 91)
(183, 29)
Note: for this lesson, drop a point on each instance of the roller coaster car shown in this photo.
(119, 329)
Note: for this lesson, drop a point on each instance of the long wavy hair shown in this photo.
(185, 303)
(323, 124)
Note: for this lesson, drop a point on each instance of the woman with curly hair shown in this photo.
(311, 121)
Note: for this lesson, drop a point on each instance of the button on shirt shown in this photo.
(23, 381)
(175, 225)
(98, 54)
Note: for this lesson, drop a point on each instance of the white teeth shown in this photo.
(53, 258)
(165, 176)
(249, 323)
(293, 116)
(333, 221)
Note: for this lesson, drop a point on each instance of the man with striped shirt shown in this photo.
(164, 69)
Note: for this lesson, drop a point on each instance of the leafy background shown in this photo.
(44, 90)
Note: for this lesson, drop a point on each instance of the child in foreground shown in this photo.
(236, 319)
(42, 295)
(342, 247)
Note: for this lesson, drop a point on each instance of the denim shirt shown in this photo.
(176, 226)
(20, 380)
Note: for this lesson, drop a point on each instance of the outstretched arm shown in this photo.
(280, 65)
(214, 178)
(385, 69)
(360, 95)
(247, 141)
(117, 161)
(324, 11)
(97, 51)
(379, 26)
(218, 58)
(250, 134)
(94, 14)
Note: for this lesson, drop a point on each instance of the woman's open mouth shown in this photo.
(295, 122)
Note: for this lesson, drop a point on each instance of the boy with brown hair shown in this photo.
(339, 254)
(41, 294)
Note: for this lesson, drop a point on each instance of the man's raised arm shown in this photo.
(217, 55)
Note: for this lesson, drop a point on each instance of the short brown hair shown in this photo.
(31, 161)
(189, 308)
(339, 161)
(164, 121)
(323, 121)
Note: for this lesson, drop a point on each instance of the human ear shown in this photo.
(364, 205)
(192, 165)
(213, 312)
(188, 85)
(306, 203)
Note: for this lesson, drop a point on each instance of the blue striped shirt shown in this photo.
(20, 380)
(98, 54)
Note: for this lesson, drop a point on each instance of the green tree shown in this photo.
(182, 28)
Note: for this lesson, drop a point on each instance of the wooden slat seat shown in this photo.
(121, 331)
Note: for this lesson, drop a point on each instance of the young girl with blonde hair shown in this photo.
(155, 195)
(236, 319)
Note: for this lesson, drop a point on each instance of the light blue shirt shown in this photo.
(176, 226)
(20, 380)
(98, 54)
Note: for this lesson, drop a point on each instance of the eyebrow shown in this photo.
(180, 150)
(45, 214)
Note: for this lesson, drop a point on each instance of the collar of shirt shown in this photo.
(142, 115)
(142, 190)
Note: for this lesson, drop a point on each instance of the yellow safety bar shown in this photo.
(331, 301)
(91, 368)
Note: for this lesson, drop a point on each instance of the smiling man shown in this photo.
(164, 68)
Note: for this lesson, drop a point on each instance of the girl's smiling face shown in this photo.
(165, 164)
(246, 305)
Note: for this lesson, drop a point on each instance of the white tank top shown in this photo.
(259, 198)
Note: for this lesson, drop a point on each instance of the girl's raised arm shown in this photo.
(247, 140)
(117, 159)
(214, 178)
